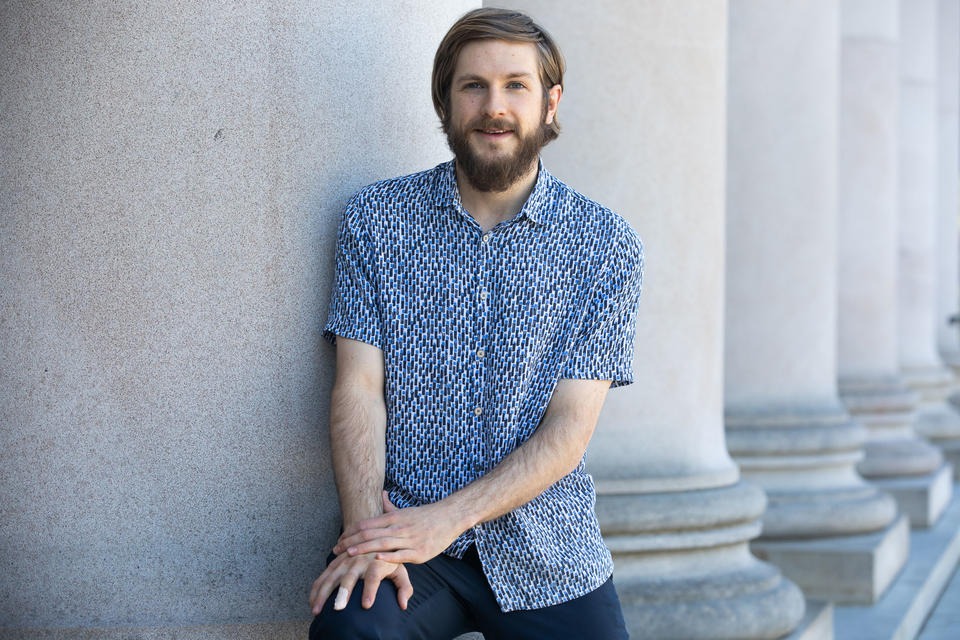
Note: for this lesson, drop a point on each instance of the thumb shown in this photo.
(387, 505)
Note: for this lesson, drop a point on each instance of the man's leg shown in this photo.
(433, 612)
(592, 616)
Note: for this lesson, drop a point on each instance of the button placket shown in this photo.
(480, 351)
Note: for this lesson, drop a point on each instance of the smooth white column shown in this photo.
(868, 352)
(172, 177)
(786, 426)
(948, 210)
(920, 362)
(637, 138)
(948, 141)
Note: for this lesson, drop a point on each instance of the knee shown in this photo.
(341, 625)
(380, 622)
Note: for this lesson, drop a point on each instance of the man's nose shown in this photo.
(495, 103)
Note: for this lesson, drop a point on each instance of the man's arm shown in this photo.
(417, 534)
(358, 420)
(358, 423)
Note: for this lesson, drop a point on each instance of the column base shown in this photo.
(683, 568)
(951, 453)
(827, 513)
(805, 459)
(754, 603)
(847, 569)
(817, 623)
(939, 423)
(922, 499)
(899, 458)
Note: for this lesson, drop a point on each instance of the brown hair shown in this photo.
(494, 24)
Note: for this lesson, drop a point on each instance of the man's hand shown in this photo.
(415, 534)
(344, 572)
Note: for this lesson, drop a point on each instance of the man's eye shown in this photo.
(515, 85)
(473, 85)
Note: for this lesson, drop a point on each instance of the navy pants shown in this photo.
(452, 596)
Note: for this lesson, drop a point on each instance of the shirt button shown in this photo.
(486, 237)
(478, 411)
(481, 352)
(484, 294)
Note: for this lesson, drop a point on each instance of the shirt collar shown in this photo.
(534, 209)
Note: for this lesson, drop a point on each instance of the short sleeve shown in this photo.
(354, 303)
(603, 349)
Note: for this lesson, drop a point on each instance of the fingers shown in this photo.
(335, 577)
(387, 505)
(402, 556)
(343, 597)
(404, 587)
(370, 585)
(349, 540)
(378, 545)
(319, 594)
(347, 583)
(342, 575)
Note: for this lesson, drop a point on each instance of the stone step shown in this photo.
(901, 612)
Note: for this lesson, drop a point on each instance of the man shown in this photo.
(481, 311)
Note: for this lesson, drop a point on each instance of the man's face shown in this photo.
(498, 115)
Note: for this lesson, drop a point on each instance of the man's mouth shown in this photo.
(493, 128)
(495, 132)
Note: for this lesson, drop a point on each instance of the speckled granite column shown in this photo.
(650, 145)
(786, 426)
(920, 363)
(171, 176)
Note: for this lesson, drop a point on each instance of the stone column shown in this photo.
(948, 208)
(650, 144)
(870, 382)
(920, 362)
(786, 426)
(171, 177)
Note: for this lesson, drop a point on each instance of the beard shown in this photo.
(502, 172)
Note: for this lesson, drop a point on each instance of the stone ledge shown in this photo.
(817, 623)
(900, 614)
(921, 498)
(855, 569)
(296, 630)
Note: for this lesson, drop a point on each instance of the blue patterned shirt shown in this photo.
(476, 330)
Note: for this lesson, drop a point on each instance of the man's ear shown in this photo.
(553, 101)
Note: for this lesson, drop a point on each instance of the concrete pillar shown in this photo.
(948, 207)
(172, 176)
(920, 362)
(638, 139)
(870, 381)
(948, 211)
(786, 426)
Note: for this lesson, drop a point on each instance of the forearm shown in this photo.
(357, 442)
(552, 452)
(416, 534)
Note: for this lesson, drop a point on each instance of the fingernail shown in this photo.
(341, 600)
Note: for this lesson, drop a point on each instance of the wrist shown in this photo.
(461, 512)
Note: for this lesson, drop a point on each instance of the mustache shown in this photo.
(491, 123)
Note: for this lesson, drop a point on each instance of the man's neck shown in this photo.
(490, 208)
